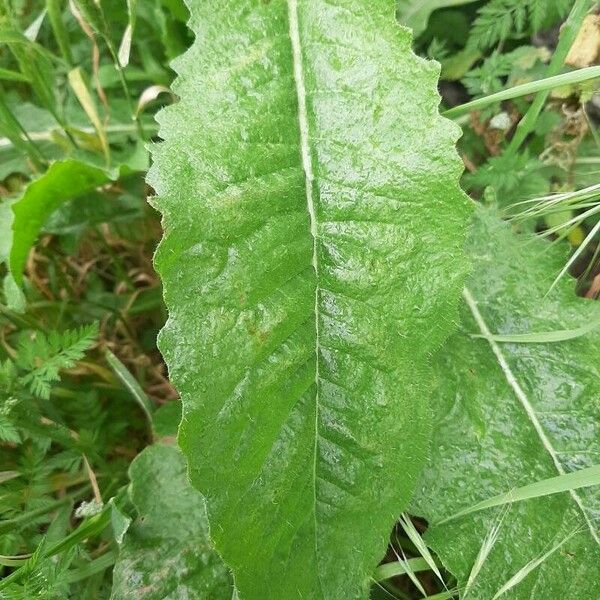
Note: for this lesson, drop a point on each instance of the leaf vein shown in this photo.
(522, 397)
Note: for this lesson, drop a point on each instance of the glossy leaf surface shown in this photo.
(312, 262)
(511, 414)
(166, 552)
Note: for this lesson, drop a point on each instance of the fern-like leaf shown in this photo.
(44, 356)
(499, 20)
(8, 430)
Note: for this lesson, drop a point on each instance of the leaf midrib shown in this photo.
(305, 153)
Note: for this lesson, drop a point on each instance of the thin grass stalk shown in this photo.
(518, 91)
(567, 37)
(59, 30)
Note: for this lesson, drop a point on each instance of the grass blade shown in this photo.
(447, 595)
(590, 236)
(125, 46)
(541, 85)
(134, 388)
(393, 569)
(554, 485)
(529, 567)
(33, 30)
(58, 28)
(9, 75)
(484, 551)
(544, 337)
(14, 131)
(417, 540)
(8, 475)
(410, 573)
(95, 566)
(567, 36)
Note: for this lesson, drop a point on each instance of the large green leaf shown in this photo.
(511, 414)
(312, 262)
(166, 552)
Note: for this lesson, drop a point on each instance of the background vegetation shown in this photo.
(83, 388)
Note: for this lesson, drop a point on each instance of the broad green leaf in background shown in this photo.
(312, 263)
(512, 414)
(416, 13)
(64, 180)
(166, 551)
